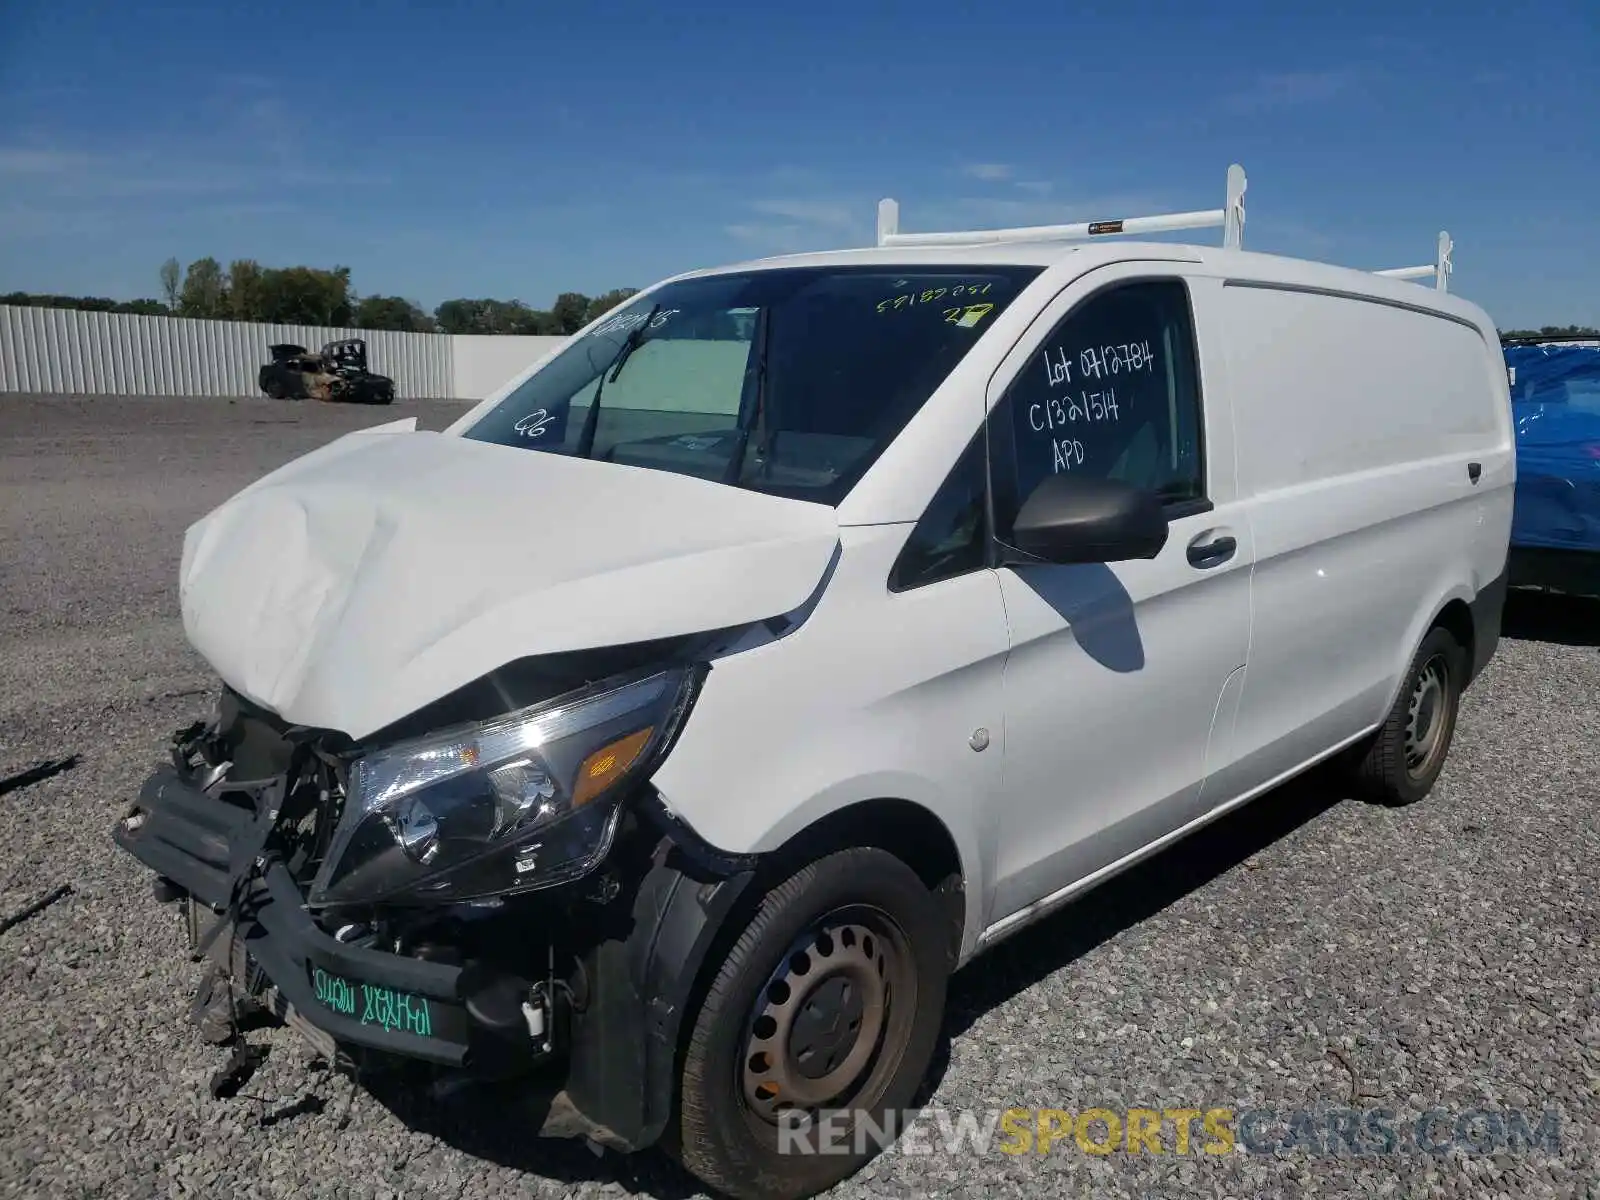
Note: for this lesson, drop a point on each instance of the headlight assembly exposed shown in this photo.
(525, 801)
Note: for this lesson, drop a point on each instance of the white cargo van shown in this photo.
(668, 729)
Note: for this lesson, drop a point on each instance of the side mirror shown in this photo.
(1080, 519)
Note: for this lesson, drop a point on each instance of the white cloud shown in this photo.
(794, 225)
(756, 231)
(34, 161)
(834, 214)
(983, 212)
(838, 218)
(248, 151)
(42, 176)
(989, 172)
(787, 175)
(1283, 89)
(772, 237)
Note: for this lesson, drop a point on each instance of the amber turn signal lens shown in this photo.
(607, 764)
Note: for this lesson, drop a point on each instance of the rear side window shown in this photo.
(1113, 393)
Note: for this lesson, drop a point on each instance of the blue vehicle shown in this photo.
(1555, 403)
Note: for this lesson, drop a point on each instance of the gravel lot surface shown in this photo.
(1297, 954)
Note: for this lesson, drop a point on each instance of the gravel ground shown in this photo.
(1305, 954)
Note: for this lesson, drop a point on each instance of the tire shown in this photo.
(821, 946)
(1401, 762)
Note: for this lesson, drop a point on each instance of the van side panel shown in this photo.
(1356, 421)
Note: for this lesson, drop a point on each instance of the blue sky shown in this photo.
(515, 150)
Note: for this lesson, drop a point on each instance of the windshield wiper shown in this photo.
(592, 418)
(735, 466)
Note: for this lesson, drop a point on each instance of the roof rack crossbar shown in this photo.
(1230, 217)
(1439, 270)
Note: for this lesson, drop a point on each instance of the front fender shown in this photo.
(794, 793)
(876, 696)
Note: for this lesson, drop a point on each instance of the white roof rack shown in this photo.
(1230, 217)
(1439, 269)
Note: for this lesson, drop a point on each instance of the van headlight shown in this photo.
(522, 802)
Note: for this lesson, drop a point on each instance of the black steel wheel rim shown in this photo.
(829, 1026)
(1427, 717)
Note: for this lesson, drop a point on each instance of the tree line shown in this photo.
(247, 291)
(1552, 331)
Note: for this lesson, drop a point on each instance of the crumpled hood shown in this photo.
(386, 569)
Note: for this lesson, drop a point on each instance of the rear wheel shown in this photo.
(816, 1032)
(1401, 762)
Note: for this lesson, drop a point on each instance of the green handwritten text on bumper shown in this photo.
(373, 1005)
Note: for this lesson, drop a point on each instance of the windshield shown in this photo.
(789, 381)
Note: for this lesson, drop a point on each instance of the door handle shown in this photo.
(1474, 471)
(1210, 554)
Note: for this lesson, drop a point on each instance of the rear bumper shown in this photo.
(450, 1016)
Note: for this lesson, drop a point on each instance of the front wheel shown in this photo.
(1402, 760)
(816, 1031)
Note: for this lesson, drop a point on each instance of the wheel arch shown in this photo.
(690, 908)
(1453, 612)
(910, 831)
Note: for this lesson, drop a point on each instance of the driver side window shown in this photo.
(1112, 392)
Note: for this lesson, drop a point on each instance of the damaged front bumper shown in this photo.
(353, 995)
(595, 1032)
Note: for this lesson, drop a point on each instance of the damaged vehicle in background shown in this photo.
(1555, 526)
(337, 373)
(666, 731)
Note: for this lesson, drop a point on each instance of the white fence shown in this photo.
(95, 353)
(482, 362)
